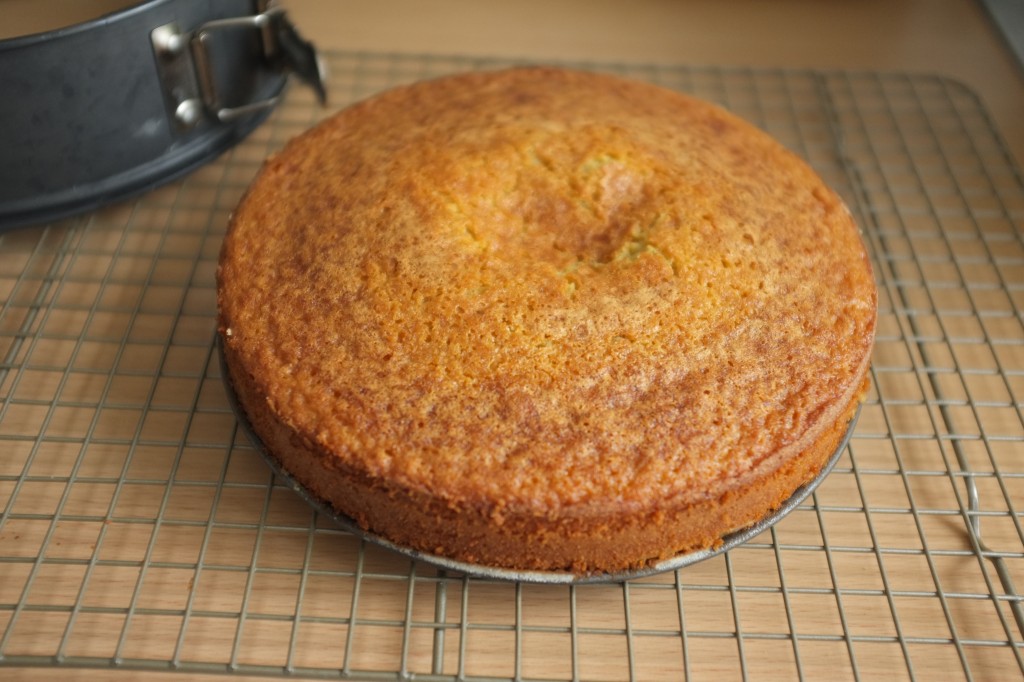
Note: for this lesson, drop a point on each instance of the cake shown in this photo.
(545, 319)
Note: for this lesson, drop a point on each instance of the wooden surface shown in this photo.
(953, 38)
(949, 37)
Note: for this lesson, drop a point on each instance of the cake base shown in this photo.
(681, 560)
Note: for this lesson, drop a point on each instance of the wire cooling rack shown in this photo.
(140, 530)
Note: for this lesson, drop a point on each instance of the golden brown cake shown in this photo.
(545, 319)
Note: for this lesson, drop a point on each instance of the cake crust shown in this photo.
(545, 319)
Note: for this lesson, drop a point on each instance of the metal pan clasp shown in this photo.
(189, 67)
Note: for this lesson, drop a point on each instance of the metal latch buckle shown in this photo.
(186, 69)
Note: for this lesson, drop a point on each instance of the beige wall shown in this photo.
(948, 37)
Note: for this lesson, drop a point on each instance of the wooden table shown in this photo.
(953, 38)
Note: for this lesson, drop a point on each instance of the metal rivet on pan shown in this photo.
(189, 112)
(168, 40)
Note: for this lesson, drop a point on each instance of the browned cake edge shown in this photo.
(597, 541)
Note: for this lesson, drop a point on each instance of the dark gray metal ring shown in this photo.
(97, 112)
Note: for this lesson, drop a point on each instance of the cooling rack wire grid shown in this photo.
(140, 530)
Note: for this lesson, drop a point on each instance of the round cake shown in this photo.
(545, 319)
